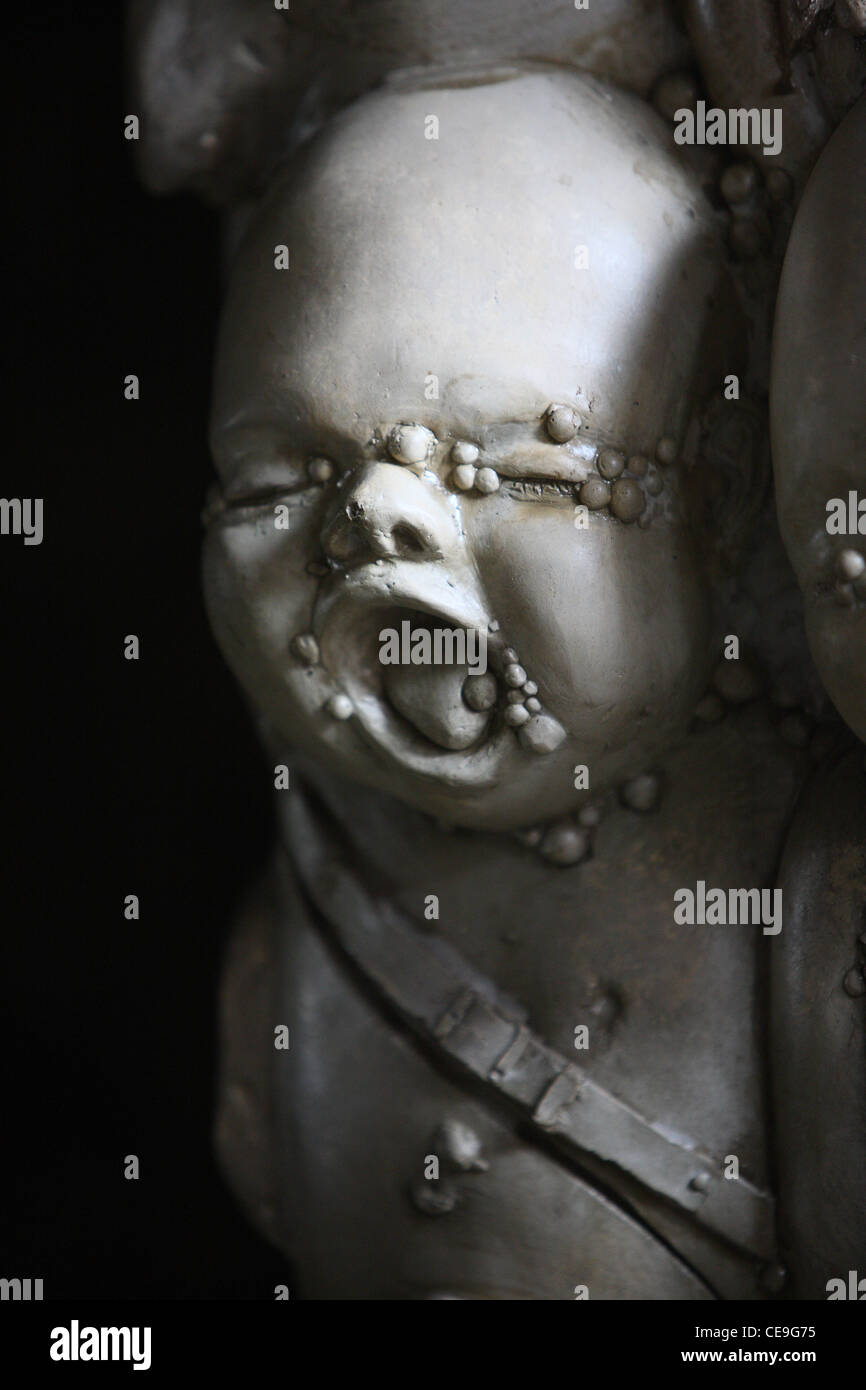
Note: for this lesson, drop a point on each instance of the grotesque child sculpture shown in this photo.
(475, 383)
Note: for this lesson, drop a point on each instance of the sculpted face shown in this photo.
(421, 332)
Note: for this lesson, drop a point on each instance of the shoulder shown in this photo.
(818, 1027)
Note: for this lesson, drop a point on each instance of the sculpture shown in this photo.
(564, 950)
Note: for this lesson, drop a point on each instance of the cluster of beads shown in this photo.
(569, 840)
(750, 203)
(414, 445)
(523, 710)
(621, 486)
(739, 682)
(522, 697)
(466, 476)
(566, 841)
(621, 483)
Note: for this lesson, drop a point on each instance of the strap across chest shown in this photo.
(451, 1006)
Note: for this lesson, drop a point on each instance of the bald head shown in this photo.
(517, 240)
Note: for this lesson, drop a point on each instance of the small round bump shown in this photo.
(530, 688)
(509, 656)
(339, 706)
(701, 1182)
(850, 564)
(627, 500)
(666, 451)
(464, 452)
(515, 715)
(844, 595)
(564, 844)
(487, 480)
(738, 182)
(589, 817)
(410, 443)
(611, 463)
(561, 423)
(464, 477)
(638, 465)
(514, 675)
(533, 705)
(320, 470)
(306, 648)
(543, 734)
(642, 793)
(595, 494)
(459, 1146)
(854, 983)
(514, 697)
(479, 692)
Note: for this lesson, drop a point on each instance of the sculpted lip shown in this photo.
(351, 613)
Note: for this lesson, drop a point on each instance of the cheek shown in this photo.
(611, 621)
(258, 596)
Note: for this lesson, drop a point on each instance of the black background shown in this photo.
(118, 777)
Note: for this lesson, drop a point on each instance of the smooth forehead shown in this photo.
(546, 245)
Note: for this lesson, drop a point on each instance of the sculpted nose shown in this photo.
(389, 512)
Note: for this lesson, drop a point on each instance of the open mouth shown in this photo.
(442, 718)
(449, 702)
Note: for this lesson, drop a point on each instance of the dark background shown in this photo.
(118, 777)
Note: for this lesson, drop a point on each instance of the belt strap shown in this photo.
(449, 1004)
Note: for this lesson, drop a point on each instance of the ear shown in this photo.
(728, 484)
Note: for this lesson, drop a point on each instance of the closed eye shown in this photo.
(266, 496)
(533, 488)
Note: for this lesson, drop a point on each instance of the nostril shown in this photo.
(344, 544)
(407, 539)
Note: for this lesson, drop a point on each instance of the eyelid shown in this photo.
(255, 478)
(556, 465)
(261, 496)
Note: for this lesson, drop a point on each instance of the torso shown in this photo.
(676, 1018)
